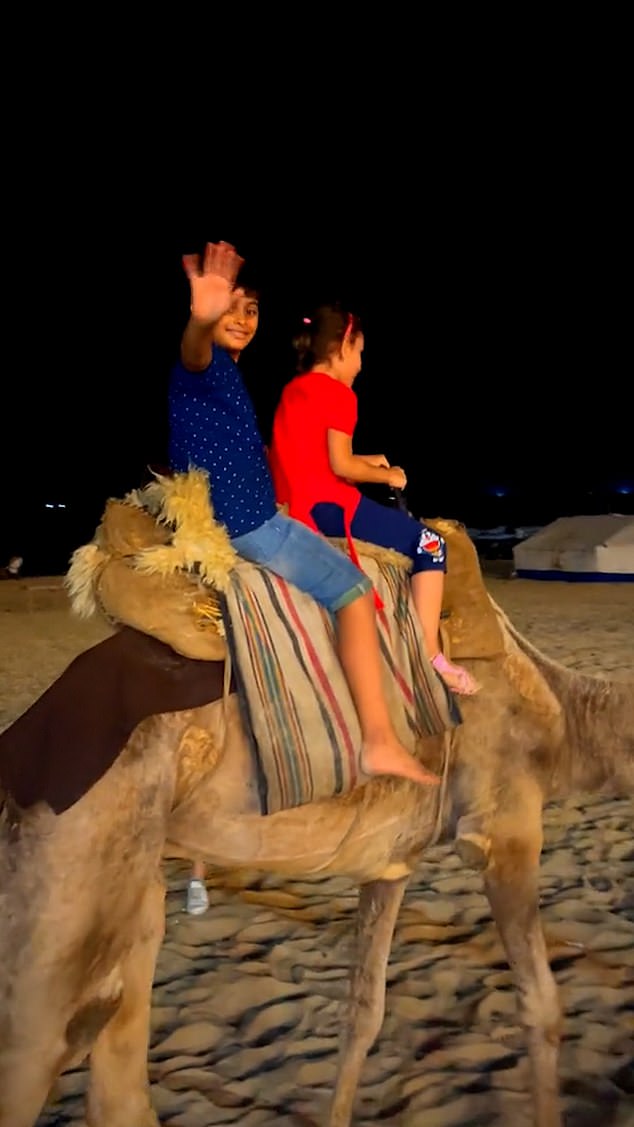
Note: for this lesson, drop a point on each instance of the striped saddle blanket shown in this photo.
(293, 693)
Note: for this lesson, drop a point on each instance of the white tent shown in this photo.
(587, 549)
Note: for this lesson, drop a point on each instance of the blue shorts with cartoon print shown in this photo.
(390, 528)
(293, 551)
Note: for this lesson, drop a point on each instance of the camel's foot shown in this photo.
(142, 1117)
(473, 845)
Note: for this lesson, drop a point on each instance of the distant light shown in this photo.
(61, 506)
(624, 489)
(47, 506)
(307, 320)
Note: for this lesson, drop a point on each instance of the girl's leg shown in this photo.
(427, 594)
(360, 656)
(391, 528)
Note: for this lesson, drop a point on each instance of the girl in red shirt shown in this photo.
(315, 471)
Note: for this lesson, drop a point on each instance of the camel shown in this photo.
(78, 948)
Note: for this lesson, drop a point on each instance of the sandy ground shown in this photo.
(247, 998)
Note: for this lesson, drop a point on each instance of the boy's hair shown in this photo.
(323, 333)
(248, 282)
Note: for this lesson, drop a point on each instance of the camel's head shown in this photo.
(155, 573)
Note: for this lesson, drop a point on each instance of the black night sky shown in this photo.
(498, 364)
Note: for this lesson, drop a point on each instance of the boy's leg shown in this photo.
(294, 552)
(360, 656)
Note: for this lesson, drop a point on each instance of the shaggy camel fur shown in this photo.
(78, 950)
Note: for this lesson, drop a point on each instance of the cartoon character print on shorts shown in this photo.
(432, 544)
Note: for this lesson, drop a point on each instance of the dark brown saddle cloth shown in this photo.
(63, 744)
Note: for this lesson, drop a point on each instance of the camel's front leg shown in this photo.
(511, 883)
(118, 1092)
(379, 903)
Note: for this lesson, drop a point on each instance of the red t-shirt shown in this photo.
(310, 406)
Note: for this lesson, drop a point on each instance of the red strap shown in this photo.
(378, 602)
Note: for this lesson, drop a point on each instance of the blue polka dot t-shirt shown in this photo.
(213, 427)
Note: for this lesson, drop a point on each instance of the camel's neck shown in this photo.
(599, 717)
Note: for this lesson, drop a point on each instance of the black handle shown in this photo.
(398, 499)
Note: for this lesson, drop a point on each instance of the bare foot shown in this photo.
(392, 759)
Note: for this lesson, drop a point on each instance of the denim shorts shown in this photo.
(293, 551)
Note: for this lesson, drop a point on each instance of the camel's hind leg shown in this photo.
(511, 884)
(379, 903)
(118, 1092)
